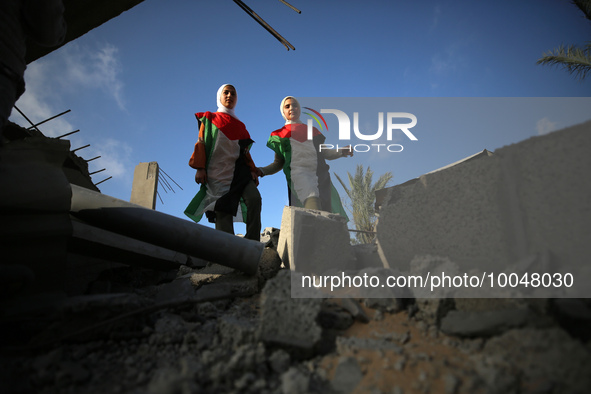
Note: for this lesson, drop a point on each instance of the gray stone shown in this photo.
(378, 295)
(432, 310)
(294, 381)
(279, 361)
(230, 285)
(429, 268)
(451, 384)
(473, 324)
(333, 316)
(488, 304)
(179, 289)
(235, 331)
(269, 265)
(288, 322)
(536, 358)
(347, 345)
(347, 375)
(270, 237)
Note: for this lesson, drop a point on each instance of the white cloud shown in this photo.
(37, 102)
(73, 69)
(545, 126)
(94, 70)
(115, 156)
(53, 81)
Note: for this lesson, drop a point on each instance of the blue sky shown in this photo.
(134, 83)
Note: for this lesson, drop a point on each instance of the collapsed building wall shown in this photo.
(530, 198)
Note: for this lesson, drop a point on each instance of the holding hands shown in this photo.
(346, 151)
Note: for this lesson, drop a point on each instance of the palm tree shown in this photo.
(575, 60)
(361, 192)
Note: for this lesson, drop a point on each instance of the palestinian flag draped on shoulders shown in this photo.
(227, 141)
(304, 164)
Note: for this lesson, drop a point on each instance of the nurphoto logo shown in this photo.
(392, 124)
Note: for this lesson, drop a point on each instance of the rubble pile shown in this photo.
(214, 329)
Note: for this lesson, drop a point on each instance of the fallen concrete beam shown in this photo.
(92, 241)
(166, 231)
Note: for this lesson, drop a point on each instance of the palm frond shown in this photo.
(361, 194)
(576, 60)
(585, 6)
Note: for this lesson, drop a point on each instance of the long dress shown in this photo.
(224, 154)
(304, 167)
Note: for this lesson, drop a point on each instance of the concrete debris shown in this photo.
(558, 366)
(271, 342)
(314, 242)
(270, 237)
(483, 324)
(354, 308)
(295, 381)
(347, 375)
(212, 328)
(289, 323)
(432, 310)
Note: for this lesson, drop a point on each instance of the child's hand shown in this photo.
(346, 151)
(201, 176)
(255, 177)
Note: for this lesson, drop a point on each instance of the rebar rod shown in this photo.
(82, 147)
(48, 119)
(96, 172)
(164, 172)
(27, 119)
(104, 180)
(67, 134)
(261, 22)
(291, 6)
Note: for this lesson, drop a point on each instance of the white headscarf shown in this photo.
(221, 108)
(282, 114)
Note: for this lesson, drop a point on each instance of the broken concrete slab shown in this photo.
(179, 289)
(145, 184)
(487, 213)
(234, 284)
(347, 375)
(432, 310)
(286, 322)
(351, 345)
(314, 241)
(270, 237)
(484, 324)
(548, 359)
(355, 309)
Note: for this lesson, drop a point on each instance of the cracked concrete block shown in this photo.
(286, 322)
(452, 212)
(314, 241)
(348, 375)
(491, 211)
(486, 323)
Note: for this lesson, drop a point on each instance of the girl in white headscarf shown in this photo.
(305, 168)
(225, 169)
